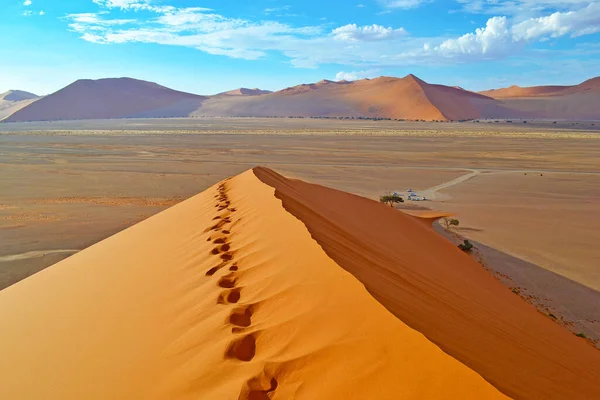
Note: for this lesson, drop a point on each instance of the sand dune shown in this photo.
(385, 97)
(245, 92)
(109, 98)
(434, 288)
(14, 100)
(578, 102)
(543, 91)
(223, 296)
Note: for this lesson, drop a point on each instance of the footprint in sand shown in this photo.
(230, 297)
(227, 281)
(241, 317)
(224, 248)
(255, 389)
(243, 349)
(213, 270)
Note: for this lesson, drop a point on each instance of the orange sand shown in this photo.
(436, 289)
(223, 296)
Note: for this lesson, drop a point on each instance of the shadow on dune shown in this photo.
(441, 292)
(574, 305)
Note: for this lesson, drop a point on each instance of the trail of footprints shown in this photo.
(243, 346)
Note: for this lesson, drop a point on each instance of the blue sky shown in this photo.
(211, 46)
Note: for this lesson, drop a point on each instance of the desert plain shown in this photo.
(527, 196)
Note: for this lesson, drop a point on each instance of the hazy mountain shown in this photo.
(384, 97)
(14, 100)
(109, 98)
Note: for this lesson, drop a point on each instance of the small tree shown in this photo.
(391, 199)
(449, 223)
(466, 246)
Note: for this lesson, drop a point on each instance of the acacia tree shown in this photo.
(449, 223)
(391, 199)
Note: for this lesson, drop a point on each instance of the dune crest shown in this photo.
(223, 296)
(384, 97)
(14, 100)
(109, 98)
(434, 288)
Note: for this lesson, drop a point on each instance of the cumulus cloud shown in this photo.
(576, 23)
(356, 75)
(27, 3)
(363, 47)
(500, 38)
(494, 40)
(353, 32)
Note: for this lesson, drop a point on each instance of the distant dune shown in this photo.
(553, 102)
(263, 288)
(245, 92)
(408, 98)
(14, 100)
(591, 85)
(385, 97)
(109, 98)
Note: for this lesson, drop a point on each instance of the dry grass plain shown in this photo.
(535, 194)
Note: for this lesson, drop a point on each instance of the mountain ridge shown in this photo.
(406, 98)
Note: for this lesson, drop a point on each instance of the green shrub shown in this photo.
(466, 246)
(391, 199)
(449, 223)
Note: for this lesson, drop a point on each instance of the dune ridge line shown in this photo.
(223, 296)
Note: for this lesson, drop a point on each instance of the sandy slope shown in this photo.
(384, 97)
(109, 98)
(223, 296)
(591, 85)
(434, 288)
(14, 100)
(577, 102)
(244, 92)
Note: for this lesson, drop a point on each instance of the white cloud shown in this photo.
(362, 47)
(27, 3)
(196, 19)
(42, 12)
(492, 41)
(123, 4)
(93, 21)
(352, 32)
(138, 5)
(27, 13)
(276, 9)
(522, 8)
(576, 23)
(403, 3)
(500, 38)
(356, 75)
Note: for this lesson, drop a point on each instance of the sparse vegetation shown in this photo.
(552, 316)
(449, 223)
(581, 335)
(391, 199)
(466, 246)
(516, 290)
